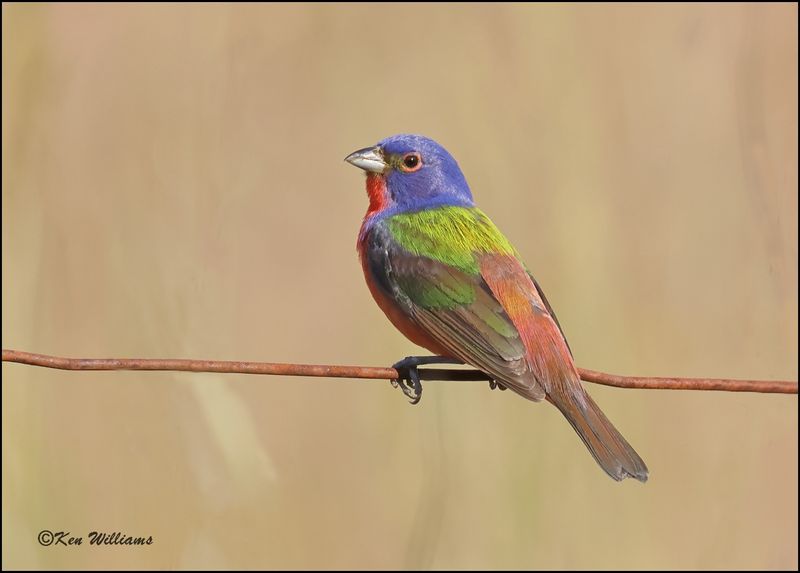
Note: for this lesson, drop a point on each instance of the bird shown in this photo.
(452, 283)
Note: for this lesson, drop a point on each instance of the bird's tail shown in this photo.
(614, 454)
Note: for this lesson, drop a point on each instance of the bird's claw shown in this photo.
(410, 385)
(495, 384)
(408, 381)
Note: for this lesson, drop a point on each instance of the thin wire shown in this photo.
(368, 372)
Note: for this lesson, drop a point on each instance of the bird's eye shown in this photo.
(411, 162)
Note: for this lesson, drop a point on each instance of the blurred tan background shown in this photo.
(173, 186)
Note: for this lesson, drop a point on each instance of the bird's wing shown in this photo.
(454, 275)
(460, 312)
(547, 352)
(550, 310)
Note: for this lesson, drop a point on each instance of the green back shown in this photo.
(450, 235)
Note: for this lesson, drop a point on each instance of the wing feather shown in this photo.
(458, 310)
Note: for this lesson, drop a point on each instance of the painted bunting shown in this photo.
(449, 280)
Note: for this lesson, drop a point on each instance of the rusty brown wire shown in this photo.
(367, 372)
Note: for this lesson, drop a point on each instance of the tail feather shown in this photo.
(614, 454)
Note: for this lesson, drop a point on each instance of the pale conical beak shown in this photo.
(369, 159)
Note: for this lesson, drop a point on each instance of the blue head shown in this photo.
(415, 172)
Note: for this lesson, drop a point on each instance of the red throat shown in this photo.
(378, 195)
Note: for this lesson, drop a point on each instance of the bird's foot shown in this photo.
(409, 381)
(495, 384)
